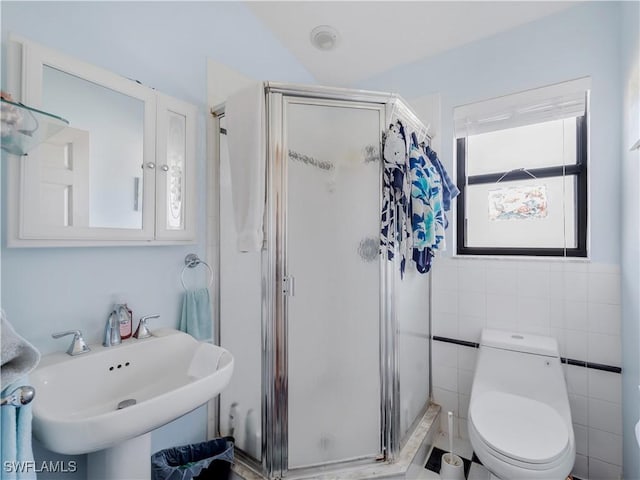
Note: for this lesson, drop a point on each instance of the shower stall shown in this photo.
(331, 346)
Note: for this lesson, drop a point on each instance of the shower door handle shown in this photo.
(289, 286)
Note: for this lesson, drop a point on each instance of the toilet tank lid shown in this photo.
(520, 342)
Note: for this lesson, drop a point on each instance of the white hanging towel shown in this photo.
(246, 139)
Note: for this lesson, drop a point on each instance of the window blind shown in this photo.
(553, 102)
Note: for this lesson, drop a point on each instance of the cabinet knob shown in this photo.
(165, 168)
(151, 165)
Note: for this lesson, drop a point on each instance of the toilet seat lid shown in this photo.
(518, 427)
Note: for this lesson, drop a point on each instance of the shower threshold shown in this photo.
(414, 451)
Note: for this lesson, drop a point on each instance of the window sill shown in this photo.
(522, 258)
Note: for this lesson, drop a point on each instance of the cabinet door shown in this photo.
(175, 174)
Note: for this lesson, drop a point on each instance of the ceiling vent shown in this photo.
(325, 37)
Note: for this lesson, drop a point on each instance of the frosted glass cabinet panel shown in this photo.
(175, 176)
(174, 168)
(333, 319)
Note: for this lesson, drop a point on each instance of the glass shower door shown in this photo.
(333, 317)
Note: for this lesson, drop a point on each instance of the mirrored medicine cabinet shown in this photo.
(121, 173)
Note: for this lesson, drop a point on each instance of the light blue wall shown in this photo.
(164, 45)
(580, 41)
(630, 89)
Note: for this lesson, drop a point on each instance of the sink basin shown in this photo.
(155, 379)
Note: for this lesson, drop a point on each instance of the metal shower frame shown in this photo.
(274, 416)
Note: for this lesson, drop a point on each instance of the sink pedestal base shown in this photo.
(130, 459)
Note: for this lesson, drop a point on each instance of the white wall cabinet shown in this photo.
(122, 173)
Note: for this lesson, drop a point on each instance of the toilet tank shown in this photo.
(522, 364)
(520, 342)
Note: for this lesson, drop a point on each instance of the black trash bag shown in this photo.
(210, 460)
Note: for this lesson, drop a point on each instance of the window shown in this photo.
(522, 173)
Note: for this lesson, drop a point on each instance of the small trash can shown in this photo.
(210, 460)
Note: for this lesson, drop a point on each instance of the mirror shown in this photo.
(114, 126)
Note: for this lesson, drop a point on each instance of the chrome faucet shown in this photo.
(112, 328)
(143, 331)
(78, 345)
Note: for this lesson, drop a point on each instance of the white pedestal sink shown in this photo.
(161, 378)
(127, 460)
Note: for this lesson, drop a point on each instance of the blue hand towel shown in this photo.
(19, 358)
(17, 452)
(196, 317)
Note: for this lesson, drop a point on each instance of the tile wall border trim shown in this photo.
(568, 361)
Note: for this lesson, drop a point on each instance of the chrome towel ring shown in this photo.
(192, 261)
(19, 397)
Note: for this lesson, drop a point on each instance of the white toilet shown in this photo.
(519, 418)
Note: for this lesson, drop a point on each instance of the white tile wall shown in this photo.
(582, 443)
(604, 348)
(599, 470)
(605, 446)
(579, 409)
(581, 466)
(575, 301)
(604, 386)
(605, 416)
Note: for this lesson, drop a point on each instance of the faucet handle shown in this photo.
(143, 331)
(78, 345)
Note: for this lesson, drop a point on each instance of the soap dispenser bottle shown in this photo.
(126, 321)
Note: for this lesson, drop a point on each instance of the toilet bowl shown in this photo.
(519, 419)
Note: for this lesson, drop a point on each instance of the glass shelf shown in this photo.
(24, 128)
